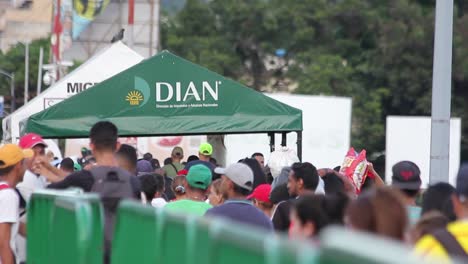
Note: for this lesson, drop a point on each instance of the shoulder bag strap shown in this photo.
(450, 243)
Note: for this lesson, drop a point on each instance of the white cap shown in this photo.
(239, 173)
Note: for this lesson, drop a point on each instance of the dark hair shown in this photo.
(6, 170)
(151, 184)
(333, 184)
(410, 193)
(192, 158)
(367, 185)
(129, 154)
(429, 223)
(167, 161)
(308, 173)
(379, 166)
(335, 205)
(155, 164)
(88, 161)
(259, 175)
(366, 214)
(309, 208)
(268, 176)
(67, 164)
(104, 136)
(148, 156)
(240, 190)
(438, 198)
(279, 193)
(256, 154)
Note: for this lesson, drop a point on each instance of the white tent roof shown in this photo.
(105, 64)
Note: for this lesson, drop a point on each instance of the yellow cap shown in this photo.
(11, 154)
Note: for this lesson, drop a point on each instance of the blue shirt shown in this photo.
(414, 213)
(241, 211)
(197, 162)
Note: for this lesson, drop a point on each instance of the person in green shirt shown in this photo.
(175, 166)
(197, 184)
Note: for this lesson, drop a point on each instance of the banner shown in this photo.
(84, 12)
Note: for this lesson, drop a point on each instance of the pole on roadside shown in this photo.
(150, 48)
(157, 30)
(26, 73)
(131, 20)
(441, 92)
(39, 71)
(12, 93)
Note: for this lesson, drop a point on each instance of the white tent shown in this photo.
(105, 64)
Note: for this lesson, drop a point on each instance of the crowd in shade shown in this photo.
(279, 194)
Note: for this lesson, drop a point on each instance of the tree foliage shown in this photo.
(378, 52)
(13, 62)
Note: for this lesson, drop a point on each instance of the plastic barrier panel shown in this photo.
(235, 243)
(343, 246)
(71, 233)
(39, 223)
(135, 236)
(174, 231)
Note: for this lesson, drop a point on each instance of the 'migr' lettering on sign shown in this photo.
(166, 92)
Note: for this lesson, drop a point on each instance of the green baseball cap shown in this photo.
(206, 149)
(199, 176)
(76, 166)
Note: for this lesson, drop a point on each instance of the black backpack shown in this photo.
(113, 184)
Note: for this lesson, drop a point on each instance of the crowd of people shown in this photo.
(294, 198)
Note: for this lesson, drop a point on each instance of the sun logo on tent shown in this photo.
(134, 97)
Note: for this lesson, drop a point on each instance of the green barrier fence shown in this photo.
(39, 218)
(135, 234)
(173, 230)
(344, 246)
(72, 231)
(40, 215)
(96, 245)
(200, 244)
(235, 243)
(166, 237)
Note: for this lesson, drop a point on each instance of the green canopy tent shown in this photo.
(167, 95)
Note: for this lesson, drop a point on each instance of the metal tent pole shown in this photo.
(283, 139)
(299, 145)
(272, 141)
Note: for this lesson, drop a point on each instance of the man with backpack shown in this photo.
(106, 178)
(451, 242)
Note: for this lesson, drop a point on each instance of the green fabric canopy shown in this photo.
(166, 95)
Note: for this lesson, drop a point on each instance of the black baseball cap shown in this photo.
(462, 181)
(406, 176)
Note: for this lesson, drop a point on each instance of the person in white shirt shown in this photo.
(12, 168)
(32, 179)
(38, 174)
